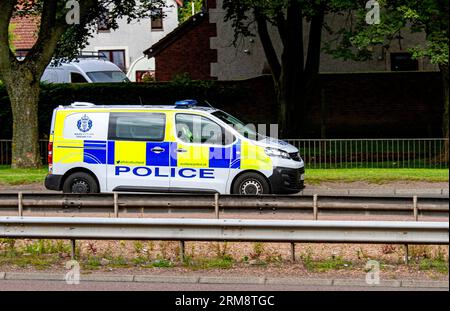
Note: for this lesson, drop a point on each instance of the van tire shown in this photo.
(251, 184)
(80, 183)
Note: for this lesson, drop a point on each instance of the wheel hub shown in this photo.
(80, 186)
(251, 187)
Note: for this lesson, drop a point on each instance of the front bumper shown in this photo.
(53, 182)
(287, 180)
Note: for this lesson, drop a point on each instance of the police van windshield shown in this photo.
(248, 131)
(107, 76)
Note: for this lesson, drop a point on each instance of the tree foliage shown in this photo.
(357, 39)
(185, 11)
(295, 68)
(57, 36)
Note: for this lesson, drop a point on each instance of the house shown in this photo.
(24, 34)
(122, 46)
(203, 47)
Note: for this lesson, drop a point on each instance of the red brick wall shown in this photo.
(190, 53)
(25, 32)
(363, 105)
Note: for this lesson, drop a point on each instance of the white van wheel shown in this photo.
(251, 184)
(80, 183)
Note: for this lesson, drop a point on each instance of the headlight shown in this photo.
(272, 152)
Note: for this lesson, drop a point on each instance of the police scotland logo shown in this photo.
(84, 124)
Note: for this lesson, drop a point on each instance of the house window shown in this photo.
(103, 23)
(403, 62)
(157, 20)
(115, 56)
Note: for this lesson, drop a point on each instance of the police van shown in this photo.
(183, 148)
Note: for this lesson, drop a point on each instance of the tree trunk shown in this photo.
(23, 90)
(444, 73)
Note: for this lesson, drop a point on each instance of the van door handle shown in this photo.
(181, 150)
(158, 150)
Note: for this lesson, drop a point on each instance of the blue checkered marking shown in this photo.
(219, 157)
(111, 152)
(158, 159)
(235, 162)
(94, 152)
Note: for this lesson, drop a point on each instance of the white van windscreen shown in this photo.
(107, 76)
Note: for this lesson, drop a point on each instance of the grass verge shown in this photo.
(9, 176)
(377, 176)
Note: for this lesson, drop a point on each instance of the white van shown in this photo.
(181, 148)
(84, 70)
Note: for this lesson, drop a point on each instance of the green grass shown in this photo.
(313, 176)
(378, 176)
(225, 262)
(9, 176)
(336, 263)
(438, 264)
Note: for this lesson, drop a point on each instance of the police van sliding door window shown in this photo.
(137, 127)
(200, 130)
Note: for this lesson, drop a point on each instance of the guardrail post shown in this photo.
(406, 254)
(293, 252)
(73, 249)
(20, 204)
(416, 211)
(216, 205)
(315, 207)
(182, 251)
(116, 205)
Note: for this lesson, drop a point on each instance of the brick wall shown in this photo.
(190, 53)
(367, 105)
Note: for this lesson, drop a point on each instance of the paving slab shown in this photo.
(299, 282)
(34, 276)
(372, 192)
(107, 278)
(418, 192)
(425, 284)
(231, 280)
(166, 279)
(363, 283)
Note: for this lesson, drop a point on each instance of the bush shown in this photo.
(224, 95)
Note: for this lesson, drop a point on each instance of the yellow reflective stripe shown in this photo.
(130, 153)
(253, 157)
(194, 157)
(170, 129)
(68, 151)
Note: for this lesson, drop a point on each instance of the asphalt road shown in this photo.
(19, 285)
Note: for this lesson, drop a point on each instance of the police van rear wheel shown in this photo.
(251, 184)
(80, 183)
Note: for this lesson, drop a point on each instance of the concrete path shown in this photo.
(44, 281)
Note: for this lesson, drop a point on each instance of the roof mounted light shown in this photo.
(185, 104)
(82, 105)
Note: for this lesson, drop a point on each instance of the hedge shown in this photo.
(53, 95)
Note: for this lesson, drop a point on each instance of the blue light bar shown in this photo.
(188, 103)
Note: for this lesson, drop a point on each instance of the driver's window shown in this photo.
(200, 130)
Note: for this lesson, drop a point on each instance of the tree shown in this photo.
(64, 28)
(185, 11)
(428, 16)
(295, 71)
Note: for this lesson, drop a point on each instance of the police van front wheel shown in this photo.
(251, 184)
(80, 183)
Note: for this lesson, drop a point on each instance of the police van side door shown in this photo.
(201, 156)
(138, 155)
